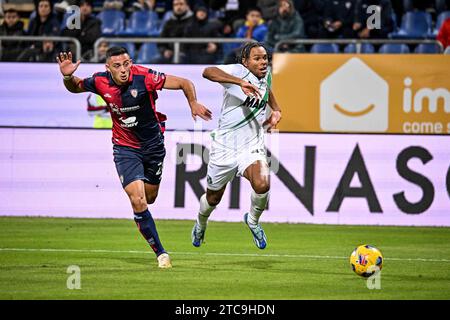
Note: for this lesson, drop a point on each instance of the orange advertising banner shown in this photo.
(363, 93)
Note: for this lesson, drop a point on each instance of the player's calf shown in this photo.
(146, 225)
(199, 229)
(151, 193)
(213, 199)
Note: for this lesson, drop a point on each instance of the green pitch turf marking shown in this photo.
(295, 256)
(301, 261)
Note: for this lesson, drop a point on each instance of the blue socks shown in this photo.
(147, 227)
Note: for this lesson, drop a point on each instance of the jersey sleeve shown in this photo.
(89, 84)
(155, 80)
(237, 70)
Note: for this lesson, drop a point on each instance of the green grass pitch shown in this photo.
(300, 262)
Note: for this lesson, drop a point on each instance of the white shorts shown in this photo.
(225, 163)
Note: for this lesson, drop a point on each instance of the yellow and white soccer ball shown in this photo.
(366, 260)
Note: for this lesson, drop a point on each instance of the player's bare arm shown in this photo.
(217, 75)
(67, 68)
(275, 116)
(197, 109)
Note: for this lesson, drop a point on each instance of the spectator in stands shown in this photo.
(444, 34)
(287, 25)
(232, 13)
(200, 27)
(339, 17)
(102, 48)
(45, 53)
(174, 28)
(254, 26)
(48, 52)
(363, 31)
(11, 26)
(269, 8)
(43, 24)
(312, 12)
(90, 30)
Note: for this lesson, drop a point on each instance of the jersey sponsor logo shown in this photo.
(128, 122)
(107, 95)
(115, 108)
(129, 109)
(252, 102)
(134, 93)
(156, 75)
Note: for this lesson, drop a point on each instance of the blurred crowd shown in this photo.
(269, 21)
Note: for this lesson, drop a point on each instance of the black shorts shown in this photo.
(137, 164)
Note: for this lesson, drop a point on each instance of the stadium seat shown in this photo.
(394, 48)
(415, 24)
(325, 48)
(428, 48)
(439, 22)
(128, 45)
(147, 53)
(142, 23)
(365, 48)
(112, 21)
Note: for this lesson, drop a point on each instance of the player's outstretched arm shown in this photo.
(67, 68)
(197, 109)
(217, 75)
(275, 116)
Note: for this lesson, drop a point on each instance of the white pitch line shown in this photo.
(298, 256)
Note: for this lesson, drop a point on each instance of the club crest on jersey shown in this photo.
(134, 93)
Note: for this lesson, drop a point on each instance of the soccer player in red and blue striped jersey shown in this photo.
(138, 140)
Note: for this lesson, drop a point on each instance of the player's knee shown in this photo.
(213, 200)
(138, 202)
(261, 187)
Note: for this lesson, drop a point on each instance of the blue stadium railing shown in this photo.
(359, 44)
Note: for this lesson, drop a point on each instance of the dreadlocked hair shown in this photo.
(246, 48)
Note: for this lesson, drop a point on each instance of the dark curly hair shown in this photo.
(246, 48)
